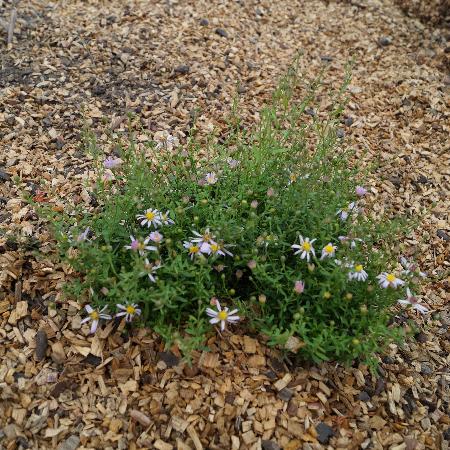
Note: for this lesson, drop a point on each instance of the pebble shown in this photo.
(324, 433)
(364, 396)
(421, 337)
(71, 443)
(204, 22)
(169, 358)
(41, 344)
(183, 69)
(426, 369)
(340, 133)
(270, 445)
(221, 32)
(4, 176)
(443, 235)
(446, 434)
(348, 121)
(384, 41)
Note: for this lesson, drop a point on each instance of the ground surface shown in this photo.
(74, 61)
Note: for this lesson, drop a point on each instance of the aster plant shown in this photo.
(175, 229)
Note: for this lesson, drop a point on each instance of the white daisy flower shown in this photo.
(412, 301)
(95, 315)
(222, 315)
(293, 177)
(156, 237)
(328, 251)
(411, 268)
(389, 280)
(150, 269)
(358, 273)
(204, 239)
(344, 263)
(211, 178)
(305, 248)
(214, 248)
(193, 248)
(345, 212)
(129, 310)
(140, 246)
(149, 218)
(84, 236)
(165, 219)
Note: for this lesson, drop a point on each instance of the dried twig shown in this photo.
(12, 23)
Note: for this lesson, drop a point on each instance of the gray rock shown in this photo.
(4, 176)
(364, 396)
(221, 32)
(443, 235)
(71, 443)
(425, 369)
(324, 433)
(183, 69)
(384, 41)
(204, 22)
(270, 445)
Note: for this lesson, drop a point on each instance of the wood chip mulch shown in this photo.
(90, 62)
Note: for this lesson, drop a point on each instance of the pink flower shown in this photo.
(270, 192)
(111, 163)
(251, 264)
(254, 204)
(360, 191)
(299, 287)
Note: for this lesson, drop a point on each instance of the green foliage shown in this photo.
(287, 178)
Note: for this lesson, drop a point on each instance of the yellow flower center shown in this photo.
(194, 249)
(150, 215)
(222, 315)
(207, 237)
(306, 246)
(329, 248)
(94, 315)
(390, 277)
(141, 246)
(358, 268)
(293, 177)
(131, 309)
(215, 248)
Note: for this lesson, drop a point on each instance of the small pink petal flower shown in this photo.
(299, 287)
(251, 264)
(361, 191)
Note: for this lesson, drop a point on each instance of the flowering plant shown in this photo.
(272, 228)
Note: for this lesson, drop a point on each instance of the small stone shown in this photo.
(426, 369)
(204, 22)
(183, 69)
(169, 358)
(340, 133)
(324, 433)
(4, 176)
(421, 337)
(71, 443)
(41, 345)
(221, 32)
(326, 58)
(446, 434)
(388, 360)
(396, 181)
(99, 90)
(380, 386)
(364, 396)
(285, 394)
(270, 445)
(384, 41)
(348, 121)
(310, 112)
(443, 235)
